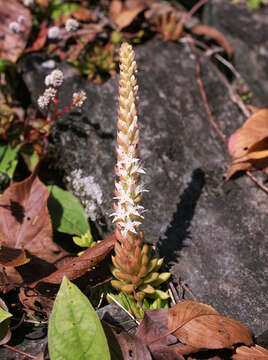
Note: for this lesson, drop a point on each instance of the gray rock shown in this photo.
(247, 32)
(212, 233)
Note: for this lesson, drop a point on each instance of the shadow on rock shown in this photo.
(178, 230)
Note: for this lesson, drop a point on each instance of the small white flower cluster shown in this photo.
(17, 26)
(88, 191)
(79, 98)
(53, 80)
(53, 32)
(71, 25)
(45, 99)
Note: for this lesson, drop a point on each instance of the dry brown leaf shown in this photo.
(202, 327)
(214, 34)
(250, 353)
(12, 44)
(25, 221)
(187, 310)
(248, 146)
(125, 346)
(83, 14)
(78, 266)
(89, 269)
(123, 16)
(25, 227)
(154, 333)
(40, 40)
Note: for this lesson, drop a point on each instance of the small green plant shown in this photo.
(253, 4)
(98, 63)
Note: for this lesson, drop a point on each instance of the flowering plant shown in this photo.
(135, 271)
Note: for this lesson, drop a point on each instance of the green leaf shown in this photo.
(30, 156)
(63, 9)
(67, 214)
(5, 333)
(4, 315)
(6, 64)
(74, 330)
(8, 159)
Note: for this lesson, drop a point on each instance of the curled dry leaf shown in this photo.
(250, 353)
(12, 43)
(248, 146)
(39, 295)
(214, 34)
(123, 16)
(200, 325)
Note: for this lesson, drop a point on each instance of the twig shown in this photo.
(122, 307)
(19, 351)
(100, 301)
(202, 90)
(253, 178)
(243, 108)
(175, 296)
(181, 283)
(196, 7)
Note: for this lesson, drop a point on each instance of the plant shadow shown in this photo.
(178, 230)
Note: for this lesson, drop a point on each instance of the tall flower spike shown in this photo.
(132, 266)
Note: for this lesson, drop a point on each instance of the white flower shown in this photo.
(71, 25)
(43, 101)
(53, 32)
(21, 19)
(88, 191)
(28, 2)
(79, 98)
(50, 93)
(15, 27)
(55, 78)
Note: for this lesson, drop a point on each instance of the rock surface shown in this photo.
(246, 30)
(212, 233)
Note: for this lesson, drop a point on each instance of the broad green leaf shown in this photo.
(74, 330)
(8, 159)
(67, 214)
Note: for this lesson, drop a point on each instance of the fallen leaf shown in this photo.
(90, 269)
(125, 346)
(250, 353)
(122, 16)
(12, 43)
(204, 30)
(26, 233)
(83, 14)
(248, 146)
(153, 332)
(200, 326)
(40, 40)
